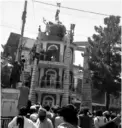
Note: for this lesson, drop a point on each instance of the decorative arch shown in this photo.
(53, 53)
(51, 76)
(53, 47)
(51, 70)
(49, 101)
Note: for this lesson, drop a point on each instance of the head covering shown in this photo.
(42, 114)
(33, 107)
(23, 111)
(42, 111)
(55, 109)
(99, 113)
(113, 115)
(106, 113)
(84, 110)
(33, 117)
(37, 106)
(40, 107)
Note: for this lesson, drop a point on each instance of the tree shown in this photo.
(105, 58)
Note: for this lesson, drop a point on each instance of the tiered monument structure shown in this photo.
(52, 75)
(52, 79)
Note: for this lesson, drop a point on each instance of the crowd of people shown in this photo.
(68, 116)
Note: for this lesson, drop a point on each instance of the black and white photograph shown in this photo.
(60, 63)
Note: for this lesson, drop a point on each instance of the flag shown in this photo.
(72, 26)
(57, 15)
(58, 4)
(24, 15)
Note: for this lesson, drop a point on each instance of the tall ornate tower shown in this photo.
(32, 95)
(86, 89)
(52, 76)
(65, 99)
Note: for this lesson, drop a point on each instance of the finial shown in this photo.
(39, 28)
(72, 27)
(57, 12)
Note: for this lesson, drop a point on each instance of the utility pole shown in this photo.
(19, 50)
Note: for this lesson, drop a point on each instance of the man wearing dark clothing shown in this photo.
(85, 120)
(15, 74)
(23, 98)
(115, 123)
(49, 114)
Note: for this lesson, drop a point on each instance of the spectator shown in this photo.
(99, 120)
(113, 115)
(58, 119)
(94, 114)
(37, 107)
(49, 114)
(21, 121)
(85, 120)
(69, 114)
(43, 121)
(55, 114)
(23, 98)
(107, 115)
(115, 123)
(33, 113)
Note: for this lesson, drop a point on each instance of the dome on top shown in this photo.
(57, 30)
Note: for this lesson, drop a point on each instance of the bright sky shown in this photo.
(11, 12)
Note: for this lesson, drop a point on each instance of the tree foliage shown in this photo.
(105, 56)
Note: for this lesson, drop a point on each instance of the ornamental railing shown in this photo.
(51, 84)
(5, 121)
(55, 85)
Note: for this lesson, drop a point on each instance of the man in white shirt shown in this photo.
(99, 120)
(21, 120)
(27, 123)
(43, 121)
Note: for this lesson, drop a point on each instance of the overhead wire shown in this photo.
(7, 26)
(69, 8)
(71, 15)
(34, 18)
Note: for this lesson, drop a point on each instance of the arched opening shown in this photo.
(48, 100)
(51, 76)
(52, 53)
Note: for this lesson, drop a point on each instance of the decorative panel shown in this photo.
(53, 52)
(46, 96)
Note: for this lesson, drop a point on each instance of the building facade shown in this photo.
(50, 68)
